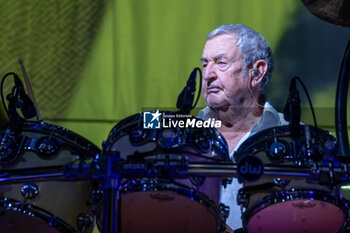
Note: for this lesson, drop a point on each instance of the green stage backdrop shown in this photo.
(92, 63)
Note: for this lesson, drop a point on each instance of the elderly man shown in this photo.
(237, 64)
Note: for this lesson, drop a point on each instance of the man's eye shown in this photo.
(221, 62)
(204, 65)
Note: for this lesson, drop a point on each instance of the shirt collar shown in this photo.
(269, 118)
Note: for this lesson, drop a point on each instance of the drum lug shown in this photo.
(203, 142)
(171, 138)
(29, 190)
(197, 181)
(10, 147)
(281, 182)
(137, 136)
(243, 198)
(224, 210)
(96, 197)
(85, 222)
(226, 181)
(47, 147)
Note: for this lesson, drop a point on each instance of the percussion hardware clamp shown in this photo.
(330, 171)
(173, 166)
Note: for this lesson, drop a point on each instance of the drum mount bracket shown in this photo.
(329, 171)
(160, 165)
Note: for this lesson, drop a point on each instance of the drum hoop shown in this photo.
(36, 212)
(117, 132)
(62, 133)
(172, 187)
(257, 141)
(290, 195)
(114, 133)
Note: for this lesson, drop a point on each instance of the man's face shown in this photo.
(225, 82)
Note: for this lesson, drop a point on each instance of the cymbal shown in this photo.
(333, 11)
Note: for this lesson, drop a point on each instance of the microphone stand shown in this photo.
(29, 89)
(291, 110)
(15, 121)
(186, 97)
(341, 104)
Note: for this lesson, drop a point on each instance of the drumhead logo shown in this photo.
(151, 120)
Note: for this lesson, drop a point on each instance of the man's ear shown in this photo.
(258, 72)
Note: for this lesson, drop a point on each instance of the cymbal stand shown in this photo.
(112, 206)
(341, 103)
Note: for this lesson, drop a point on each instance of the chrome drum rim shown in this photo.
(292, 195)
(163, 185)
(33, 211)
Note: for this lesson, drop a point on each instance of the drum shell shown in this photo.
(120, 141)
(61, 200)
(296, 206)
(157, 197)
(296, 183)
(156, 205)
(291, 203)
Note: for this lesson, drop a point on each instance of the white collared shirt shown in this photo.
(270, 118)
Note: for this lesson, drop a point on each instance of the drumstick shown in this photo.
(29, 89)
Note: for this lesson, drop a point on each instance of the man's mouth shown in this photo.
(213, 90)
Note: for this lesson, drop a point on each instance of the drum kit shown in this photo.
(168, 179)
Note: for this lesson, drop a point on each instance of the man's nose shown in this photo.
(209, 72)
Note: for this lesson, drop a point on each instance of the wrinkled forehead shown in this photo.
(224, 45)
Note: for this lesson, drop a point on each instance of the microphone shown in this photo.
(186, 97)
(29, 89)
(291, 109)
(24, 102)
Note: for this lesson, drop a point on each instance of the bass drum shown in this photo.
(152, 205)
(45, 206)
(289, 205)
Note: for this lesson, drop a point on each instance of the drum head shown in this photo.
(152, 211)
(298, 213)
(151, 206)
(16, 217)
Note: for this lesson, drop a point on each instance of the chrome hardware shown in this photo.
(10, 147)
(171, 138)
(280, 182)
(242, 198)
(47, 147)
(85, 222)
(224, 210)
(197, 181)
(29, 190)
(96, 197)
(226, 181)
(137, 136)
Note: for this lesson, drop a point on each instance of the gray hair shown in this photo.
(252, 46)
